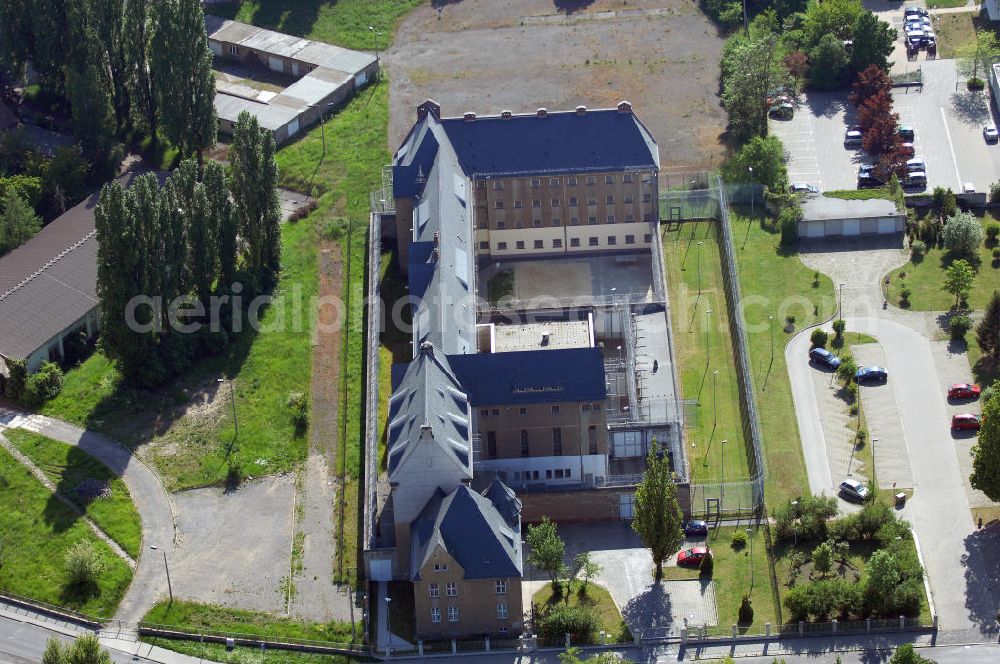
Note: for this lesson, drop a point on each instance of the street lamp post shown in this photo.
(840, 302)
(722, 486)
(322, 126)
(232, 398)
(770, 333)
(699, 268)
(874, 474)
(388, 626)
(750, 537)
(750, 168)
(376, 34)
(166, 567)
(708, 328)
(795, 530)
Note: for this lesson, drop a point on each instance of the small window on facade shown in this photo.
(574, 242)
(559, 473)
(593, 242)
(501, 246)
(494, 412)
(518, 223)
(611, 218)
(609, 179)
(522, 411)
(627, 177)
(498, 205)
(612, 240)
(503, 629)
(452, 614)
(548, 474)
(591, 179)
(451, 588)
(435, 614)
(586, 406)
(440, 567)
(484, 245)
(524, 443)
(629, 218)
(539, 244)
(647, 198)
(647, 238)
(592, 220)
(434, 590)
(480, 184)
(571, 182)
(627, 198)
(498, 185)
(485, 412)
(233, 50)
(536, 183)
(518, 205)
(555, 202)
(556, 243)
(501, 586)
(592, 436)
(610, 200)
(572, 201)
(555, 409)
(537, 223)
(501, 225)
(491, 444)
(502, 611)
(556, 221)
(536, 202)
(569, 473)
(629, 239)
(573, 221)
(534, 474)
(553, 182)
(591, 200)
(520, 244)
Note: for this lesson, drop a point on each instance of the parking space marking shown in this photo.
(954, 159)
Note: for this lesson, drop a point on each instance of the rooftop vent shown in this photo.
(426, 347)
(581, 110)
(542, 112)
(506, 115)
(469, 116)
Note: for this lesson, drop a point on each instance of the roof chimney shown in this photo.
(429, 106)
(581, 110)
(426, 347)
(542, 112)
(624, 107)
(506, 115)
(469, 116)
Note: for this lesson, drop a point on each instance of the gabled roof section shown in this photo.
(504, 500)
(547, 143)
(469, 527)
(532, 376)
(429, 409)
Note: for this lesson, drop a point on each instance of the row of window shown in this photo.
(557, 243)
(502, 614)
(558, 473)
(523, 410)
(557, 446)
(574, 202)
(555, 182)
(573, 221)
(451, 588)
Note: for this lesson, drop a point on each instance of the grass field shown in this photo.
(946, 4)
(66, 467)
(775, 283)
(732, 577)
(36, 531)
(702, 349)
(925, 276)
(954, 30)
(596, 597)
(343, 22)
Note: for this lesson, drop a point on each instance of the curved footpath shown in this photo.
(149, 583)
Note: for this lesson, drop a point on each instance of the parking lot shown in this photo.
(947, 118)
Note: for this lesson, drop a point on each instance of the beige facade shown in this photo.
(449, 606)
(542, 430)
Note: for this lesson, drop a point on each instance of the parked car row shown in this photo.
(872, 374)
(918, 30)
(915, 176)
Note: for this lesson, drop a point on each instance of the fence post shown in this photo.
(420, 647)
(487, 644)
(767, 629)
(684, 634)
(902, 621)
(868, 625)
(734, 632)
(802, 628)
(834, 624)
(567, 641)
(454, 647)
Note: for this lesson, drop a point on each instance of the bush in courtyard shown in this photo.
(805, 518)
(839, 326)
(83, 565)
(43, 385)
(788, 223)
(995, 193)
(992, 232)
(739, 539)
(580, 622)
(963, 234)
(234, 475)
(831, 598)
(958, 326)
(819, 337)
(707, 566)
(746, 611)
(298, 403)
(996, 254)
(918, 248)
(17, 374)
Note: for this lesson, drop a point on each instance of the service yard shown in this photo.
(947, 118)
(487, 56)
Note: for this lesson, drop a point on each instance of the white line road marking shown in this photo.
(954, 160)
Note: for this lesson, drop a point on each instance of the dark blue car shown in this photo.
(695, 528)
(824, 357)
(871, 374)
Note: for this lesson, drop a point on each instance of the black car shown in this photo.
(824, 357)
(695, 528)
(871, 374)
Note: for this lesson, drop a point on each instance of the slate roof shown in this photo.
(527, 377)
(559, 142)
(468, 526)
(428, 407)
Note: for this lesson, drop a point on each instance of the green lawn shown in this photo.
(860, 194)
(67, 467)
(946, 4)
(36, 531)
(954, 30)
(732, 577)
(699, 355)
(925, 276)
(342, 22)
(596, 597)
(775, 283)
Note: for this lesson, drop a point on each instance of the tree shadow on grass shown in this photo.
(294, 17)
(83, 480)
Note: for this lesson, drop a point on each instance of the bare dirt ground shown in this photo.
(487, 56)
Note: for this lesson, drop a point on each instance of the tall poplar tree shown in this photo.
(88, 87)
(223, 220)
(988, 330)
(136, 31)
(181, 66)
(986, 452)
(109, 24)
(656, 512)
(255, 197)
(204, 245)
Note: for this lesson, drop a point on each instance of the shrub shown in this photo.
(963, 234)
(707, 566)
(580, 622)
(299, 405)
(234, 475)
(43, 385)
(739, 539)
(815, 279)
(303, 211)
(823, 599)
(996, 253)
(839, 326)
(822, 558)
(788, 222)
(918, 248)
(83, 564)
(807, 517)
(959, 325)
(992, 231)
(819, 338)
(746, 611)
(995, 192)
(862, 435)
(904, 296)
(790, 320)
(17, 376)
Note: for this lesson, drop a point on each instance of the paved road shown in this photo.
(149, 583)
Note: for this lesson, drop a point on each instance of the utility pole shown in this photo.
(708, 327)
(770, 333)
(167, 568)
(750, 168)
(388, 626)
(232, 398)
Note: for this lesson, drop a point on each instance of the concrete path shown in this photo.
(149, 583)
(885, 429)
(43, 478)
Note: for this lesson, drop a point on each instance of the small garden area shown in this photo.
(584, 609)
(87, 483)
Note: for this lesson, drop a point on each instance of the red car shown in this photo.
(965, 421)
(906, 149)
(692, 557)
(963, 391)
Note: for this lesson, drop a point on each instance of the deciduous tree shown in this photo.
(656, 512)
(766, 156)
(986, 452)
(873, 109)
(907, 654)
(882, 577)
(546, 549)
(222, 220)
(988, 330)
(255, 197)
(873, 41)
(871, 81)
(963, 234)
(827, 61)
(977, 55)
(136, 30)
(88, 86)
(752, 68)
(18, 222)
(958, 278)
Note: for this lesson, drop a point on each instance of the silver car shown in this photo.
(853, 490)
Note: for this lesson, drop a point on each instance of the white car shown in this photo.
(916, 164)
(804, 188)
(990, 134)
(922, 23)
(968, 188)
